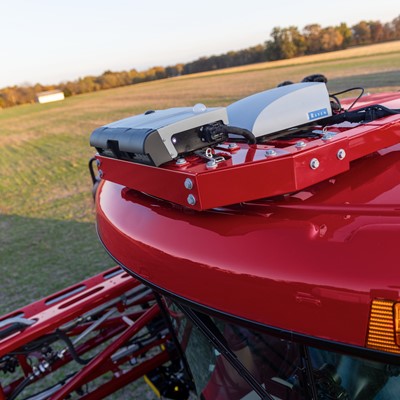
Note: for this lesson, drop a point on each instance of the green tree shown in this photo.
(346, 33)
(362, 33)
(396, 28)
(312, 36)
(376, 31)
(331, 39)
(285, 43)
(174, 70)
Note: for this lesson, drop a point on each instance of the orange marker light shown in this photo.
(384, 326)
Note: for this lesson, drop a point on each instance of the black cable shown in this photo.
(251, 139)
(175, 339)
(59, 334)
(349, 90)
(337, 102)
(19, 388)
(218, 133)
(366, 114)
(355, 101)
(63, 336)
(61, 382)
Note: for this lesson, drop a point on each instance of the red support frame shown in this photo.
(248, 172)
(100, 316)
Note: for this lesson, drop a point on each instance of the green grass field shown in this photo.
(47, 232)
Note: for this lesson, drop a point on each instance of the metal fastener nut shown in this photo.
(211, 164)
(314, 163)
(270, 152)
(341, 154)
(300, 144)
(181, 161)
(191, 200)
(188, 184)
(327, 136)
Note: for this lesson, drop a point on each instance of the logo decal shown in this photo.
(323, 112)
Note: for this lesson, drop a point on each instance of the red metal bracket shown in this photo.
(107, 309)
(249, 172)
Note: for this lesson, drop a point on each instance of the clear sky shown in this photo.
(50, 41)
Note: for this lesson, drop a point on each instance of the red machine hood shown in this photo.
(309, 262)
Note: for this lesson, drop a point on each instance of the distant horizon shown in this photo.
(51, 43)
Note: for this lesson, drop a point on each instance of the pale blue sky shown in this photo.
(49, 41)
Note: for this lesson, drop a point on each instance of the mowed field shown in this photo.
(47, 231)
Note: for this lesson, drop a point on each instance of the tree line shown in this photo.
(285, 43)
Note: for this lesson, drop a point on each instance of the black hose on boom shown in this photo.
(365, 114)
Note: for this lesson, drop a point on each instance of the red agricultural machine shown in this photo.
(257, 247)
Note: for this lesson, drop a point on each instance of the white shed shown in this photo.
(49, 96)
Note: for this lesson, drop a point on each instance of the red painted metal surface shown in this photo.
(97, 362)
(107, 309)
(247, 174)
(309, 262)
(50, 313)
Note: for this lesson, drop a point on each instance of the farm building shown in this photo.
(49, 96)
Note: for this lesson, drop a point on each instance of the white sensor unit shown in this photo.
(281, 108)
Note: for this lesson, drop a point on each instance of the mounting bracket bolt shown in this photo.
(191, 200)
(211, 164)
(314, 163)
(341, 154)
(188, 184)
(301, 144)
(181, 161)
(270, 152)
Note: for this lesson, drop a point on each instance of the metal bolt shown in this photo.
(98, 163)
(327, 136)
(211, 164)
(232, 146)
(300, 144)
(181, 161)
(314, 163)
(101, 174)
(341, 154)
(270, 152)
(188, 184)
(191, 200)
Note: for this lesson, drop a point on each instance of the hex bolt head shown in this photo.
(314, 163)
(341, 154)
(181, 161)
(300, 144)
(270, 152)
(191, 200)
(327, 136)
(188, 184)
